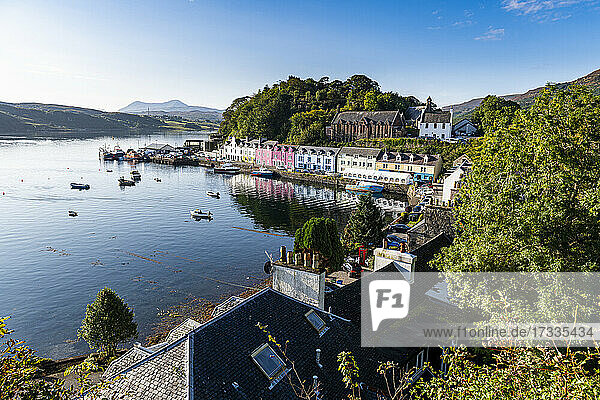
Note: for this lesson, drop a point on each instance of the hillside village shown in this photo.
(316, 310)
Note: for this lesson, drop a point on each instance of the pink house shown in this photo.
(264, 153)
(273, 154)
(283, 156)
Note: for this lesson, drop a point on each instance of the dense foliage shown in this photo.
(18, 369)
(321, 235)
(519, 373)
(532, 200)
(108, 321)
(494, 111)
(366, 224)
(297, 110)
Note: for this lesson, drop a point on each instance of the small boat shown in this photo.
(109, 170)
(264, 172)
(157, 179)
(367, 187)
(226, 169)
(197, 213)
(125, 182)
(72, 213)
(80, 186)
(213, 194)
(135, 174)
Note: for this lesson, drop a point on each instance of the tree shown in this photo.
(18, 372)
(108, 321)
(269, 112)
(365, 227)
(516, 373)
(532, 199)
(321, 235)
(494, 111)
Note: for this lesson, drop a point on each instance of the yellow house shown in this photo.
(422, 167)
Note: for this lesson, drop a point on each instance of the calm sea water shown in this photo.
(137, 240)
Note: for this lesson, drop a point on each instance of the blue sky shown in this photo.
(106, 54)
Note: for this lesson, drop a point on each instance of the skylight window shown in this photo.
(268, 361)
(316, 322)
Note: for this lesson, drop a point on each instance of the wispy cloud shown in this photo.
(492, 34)
(545, 10)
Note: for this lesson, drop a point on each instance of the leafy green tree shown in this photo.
(366, 224)
(494, 111)
(516, 373)
(18, 372)
(269, 112)
(532, 199)
(108, 321)
(321, 235)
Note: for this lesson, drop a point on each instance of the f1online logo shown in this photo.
(388, 300)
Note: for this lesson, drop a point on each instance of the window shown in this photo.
(316, 322)
(268, 361)
(435, 126)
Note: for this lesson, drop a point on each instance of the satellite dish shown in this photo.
(268, 268)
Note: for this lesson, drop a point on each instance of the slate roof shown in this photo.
(362, 151)
(160, 376)
(182, 329)
(426, 252)
(413, 113)
(374, 117)
(224, 369)
(394, 156)
(226, 305)
(159, 146)
(214, 360)
(436, 116)
(317, 149)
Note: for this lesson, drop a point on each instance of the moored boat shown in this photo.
(264, 172)
(125, 182)
(199, 214)
(213, 194)
(80, 186)
(135, 174)
(367, 187)
(226, 169)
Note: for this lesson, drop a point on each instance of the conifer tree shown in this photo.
(365, 227)
(108, 321)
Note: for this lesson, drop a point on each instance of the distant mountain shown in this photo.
(37, 117)
(174, 108)
(591, 80)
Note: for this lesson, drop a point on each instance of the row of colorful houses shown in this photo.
(351, 162)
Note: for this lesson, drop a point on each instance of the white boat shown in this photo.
(264, 172)
(213, 194)
(197, 213)
(226, 169)
(365, 186)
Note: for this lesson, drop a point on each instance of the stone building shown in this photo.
(349, 126)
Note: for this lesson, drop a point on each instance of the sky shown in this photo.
(106, 54)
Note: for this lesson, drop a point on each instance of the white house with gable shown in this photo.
(435, 123)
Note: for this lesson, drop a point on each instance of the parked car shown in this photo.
(281, 168)
(398, 228)
(417, 209)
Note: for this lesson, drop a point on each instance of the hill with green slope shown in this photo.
(526, 99)
(37, 117)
